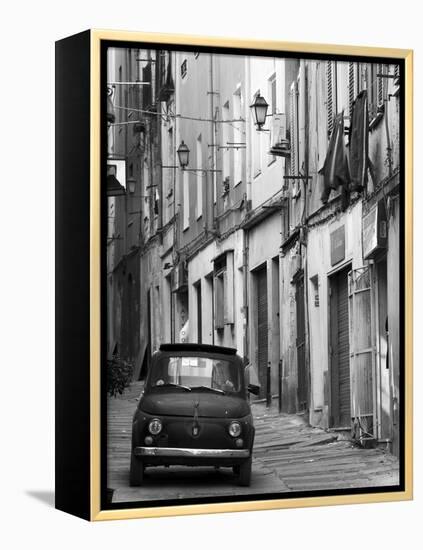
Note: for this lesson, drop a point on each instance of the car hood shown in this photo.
(174, 403)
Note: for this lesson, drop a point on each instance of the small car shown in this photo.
(194, 412)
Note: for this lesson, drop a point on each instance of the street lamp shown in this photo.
(183, 155)
(130, 184)
(259, 110)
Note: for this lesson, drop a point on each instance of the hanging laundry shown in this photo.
(359, 142)
(335, 169)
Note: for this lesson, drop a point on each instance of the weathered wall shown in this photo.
(200, 268)
(267, 175)
(319, 264)
(264, 246)
(288, 331)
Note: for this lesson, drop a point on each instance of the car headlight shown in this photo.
(234, 429)
(155, 426)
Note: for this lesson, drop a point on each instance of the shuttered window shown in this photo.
(186, 200)
(226, 159)
(219, 300)
(396, 74)
(352, 85)
(271, 87)
(224, 290)
(237, 136)
(293, 128)
(380, 81)
(200, 176)
(375, 86)
(294, 138)
(331, 94)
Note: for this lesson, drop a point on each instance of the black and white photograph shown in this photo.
(253, 274)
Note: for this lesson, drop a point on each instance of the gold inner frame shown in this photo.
(95, 276)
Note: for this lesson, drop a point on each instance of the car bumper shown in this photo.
(179, 452)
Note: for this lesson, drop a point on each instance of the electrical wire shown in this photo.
(176, 115)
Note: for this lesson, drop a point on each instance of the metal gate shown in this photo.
(302, 390)
(262, 329)
(361, 353)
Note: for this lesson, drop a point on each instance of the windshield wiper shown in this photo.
(216, 390)
(186, 388)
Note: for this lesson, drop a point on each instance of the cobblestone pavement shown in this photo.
(288, 456)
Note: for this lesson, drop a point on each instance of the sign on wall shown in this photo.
(374, 231)
(337, 245)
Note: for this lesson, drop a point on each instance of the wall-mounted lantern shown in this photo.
(183, 155)
(130, 184)
(259, 110)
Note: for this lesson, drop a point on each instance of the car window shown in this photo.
(197, 371)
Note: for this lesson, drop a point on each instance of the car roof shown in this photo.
(204, 348)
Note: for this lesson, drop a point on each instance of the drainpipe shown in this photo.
(245, 252)
(212, 221)
(302, 137)
(304, 149)
(158, 158)
(245, 294)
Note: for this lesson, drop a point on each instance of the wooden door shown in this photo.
(262, 329)
(302, 390)
(340, 352)
(199, 314)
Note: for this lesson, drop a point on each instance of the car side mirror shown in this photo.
(252, 388)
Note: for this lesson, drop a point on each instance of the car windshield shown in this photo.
(201, 373)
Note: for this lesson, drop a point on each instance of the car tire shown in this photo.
(244, 473)
(136, 473)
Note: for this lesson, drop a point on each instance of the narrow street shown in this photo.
(289, 456)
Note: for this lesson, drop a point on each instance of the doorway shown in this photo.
(262, 328)
(339, 351)
(302, 384)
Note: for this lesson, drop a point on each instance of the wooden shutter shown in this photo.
(380, 87)
(229, 289)
(294, 137)
(361, 353)
(293, 128)
(302, 390)
(331, 94)
(219, 301)
(262, 329)
(352, 84)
